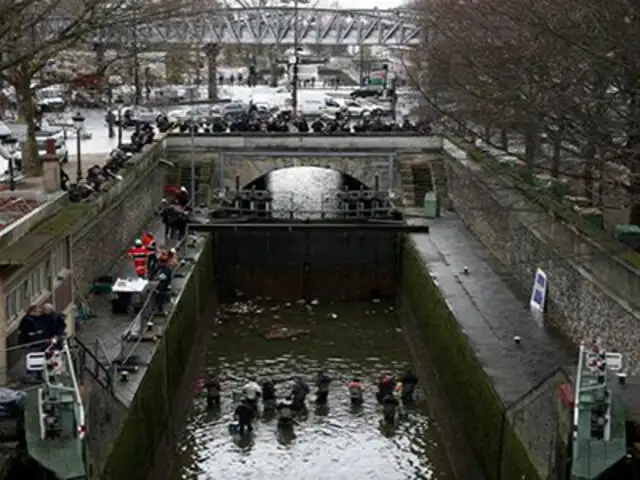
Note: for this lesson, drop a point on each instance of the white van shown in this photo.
(314, 104)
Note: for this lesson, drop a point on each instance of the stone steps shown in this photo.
(422, 181)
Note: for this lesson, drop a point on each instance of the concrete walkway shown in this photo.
(489, 312)
(104, 332)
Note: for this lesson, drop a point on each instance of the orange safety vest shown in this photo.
(140, 256)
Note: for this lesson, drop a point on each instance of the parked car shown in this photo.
(231, 110)
(367, 92)
(62, 153)
(131, 115)
(356, 109)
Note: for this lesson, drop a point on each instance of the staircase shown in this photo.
(422, 181)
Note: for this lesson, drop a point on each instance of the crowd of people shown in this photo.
(152, 262)
(260, 119)
(119, 159)
(390, 395)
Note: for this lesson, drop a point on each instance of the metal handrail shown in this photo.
(135, 330)
(102, 374)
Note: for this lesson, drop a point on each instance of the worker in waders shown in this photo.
(139, 254)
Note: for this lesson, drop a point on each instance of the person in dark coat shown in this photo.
(31, 329)
(53, 322)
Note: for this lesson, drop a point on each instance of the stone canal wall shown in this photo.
(108, 225)
(489, 430)
(160, 396)
(591, 293)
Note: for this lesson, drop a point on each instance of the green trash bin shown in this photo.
(430, 205)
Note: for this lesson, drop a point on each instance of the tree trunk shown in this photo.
(531, 146)
(556, 155)
(587, 175)
(487, 134)
(31, 164)
(504, 139)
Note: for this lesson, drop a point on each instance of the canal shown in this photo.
(348, 339)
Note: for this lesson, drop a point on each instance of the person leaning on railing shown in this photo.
(167, 263)
(32, 330)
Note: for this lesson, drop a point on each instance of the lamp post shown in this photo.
(294, 92)
(295, 59)
(192, 129)
(118, 103)
(78, 122)
(110, 115)
(10, 143)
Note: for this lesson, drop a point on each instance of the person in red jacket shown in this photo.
(355, 392)
(149, 242)
(139, 253)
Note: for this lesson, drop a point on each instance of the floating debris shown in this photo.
(280, 332)
(332, 316)
(375, 300)
(301, 301)
(315, 301)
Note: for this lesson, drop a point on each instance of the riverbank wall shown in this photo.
(492, 433)
(593, 281)
(158, 399)
(105, 227)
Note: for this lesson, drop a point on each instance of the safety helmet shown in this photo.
(138, 242)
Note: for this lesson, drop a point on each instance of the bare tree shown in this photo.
(563, 75)
(32, 33)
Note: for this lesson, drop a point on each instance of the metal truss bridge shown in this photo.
(266, 26)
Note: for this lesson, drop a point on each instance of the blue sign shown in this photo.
(539, 293)
(538, 297)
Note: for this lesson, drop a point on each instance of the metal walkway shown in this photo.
(265, 26)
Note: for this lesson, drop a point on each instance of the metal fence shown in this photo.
(535, 417)
(142, 326)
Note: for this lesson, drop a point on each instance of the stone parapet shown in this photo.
(383, 141)
(591, 292)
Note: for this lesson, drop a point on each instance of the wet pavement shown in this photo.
(103, 333)
(489, 312)
(334, 443)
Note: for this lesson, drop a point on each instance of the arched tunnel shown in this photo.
(308, 192)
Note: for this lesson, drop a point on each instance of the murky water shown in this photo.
(333, 443)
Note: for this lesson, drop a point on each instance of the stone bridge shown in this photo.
(371, 158)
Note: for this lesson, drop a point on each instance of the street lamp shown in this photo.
(295, 59)
(78, 122)
(192, 128)
(118, 103)
(10, 144)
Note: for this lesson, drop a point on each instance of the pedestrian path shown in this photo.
(103, 334)
(489, 312)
